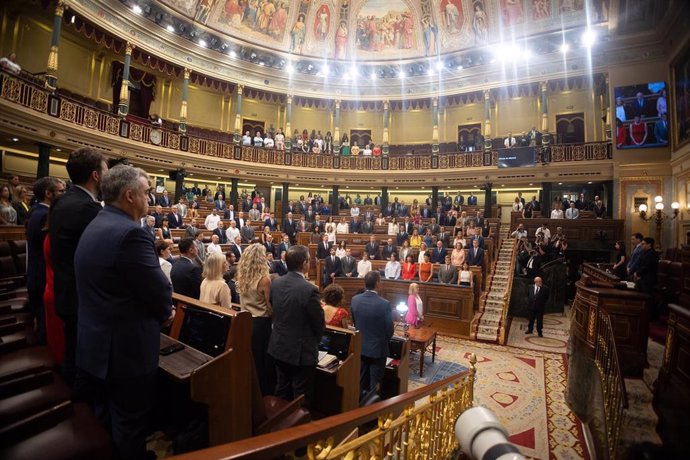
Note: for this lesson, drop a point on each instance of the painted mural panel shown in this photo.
(385, 25)
(254, 18)
(186, 7)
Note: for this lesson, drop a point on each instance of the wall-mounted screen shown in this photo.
(641, 116)
(516, 157)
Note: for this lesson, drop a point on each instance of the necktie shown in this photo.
(536, 291)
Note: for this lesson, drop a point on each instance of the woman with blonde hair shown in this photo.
(415, 308)
(253, 283)
(214, 290)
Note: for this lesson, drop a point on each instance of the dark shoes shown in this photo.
(541, 335)
(528, 331)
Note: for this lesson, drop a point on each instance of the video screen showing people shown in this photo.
(641, 116)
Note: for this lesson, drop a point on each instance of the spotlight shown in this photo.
(589, 37)
(373, 75)
(430, 71)
(202, 42)
(170, 28)
(439, 65)
(289, 68)
(460, 67)
(324, 71)
(527, 53)
(233, 54)
(136, 9)
(15, 139)
(74, 18)
(401, 74)
(310, 68)
(564, 48)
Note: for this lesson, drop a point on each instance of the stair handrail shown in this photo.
(502, 337)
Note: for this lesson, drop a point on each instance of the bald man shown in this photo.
(538, 295)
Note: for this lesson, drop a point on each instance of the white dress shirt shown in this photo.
(211, 222)
(363, 267)
(392, 270)
(232, 233)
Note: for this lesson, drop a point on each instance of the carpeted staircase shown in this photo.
(487, 324)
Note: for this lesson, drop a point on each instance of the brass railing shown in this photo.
(423, 428)
(502, 337)
(26, 92)
(612, 383)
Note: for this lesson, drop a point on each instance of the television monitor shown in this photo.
(516, 157)
(640, 116)
(336, 343)
(205, 330)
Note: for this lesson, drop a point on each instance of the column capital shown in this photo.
(386, 104)
(187, 73)
(60, 8)
(129, 47)
(487, 94)
(288, 99)
(337, 104)
(544, 86)
(240, 89)
(434, 101)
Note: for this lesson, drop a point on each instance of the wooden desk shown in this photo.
(337, 391)
(181, 364)
(420, 339)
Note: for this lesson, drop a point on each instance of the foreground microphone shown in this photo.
(482, 437)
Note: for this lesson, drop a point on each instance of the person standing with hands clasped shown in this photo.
(538, 295)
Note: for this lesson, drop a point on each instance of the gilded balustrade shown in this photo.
(612, 383)
(28, 93)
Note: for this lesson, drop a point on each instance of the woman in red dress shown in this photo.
(54, 326)
(638, 131)
(621, 134)
(409, 269)
(330, 300)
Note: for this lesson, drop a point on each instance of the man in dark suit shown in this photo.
(475, 255)
(164, 199)
(533, 265)
(438, 255)
(426, 212)
(46, 190)
(324, 248)
(271, 248)
(151, 197)
(185, 274)
(290, 229)
(303, 225)
(434, 226)
(124, 299)
(229, 213)
(284, 245)
(236, 247)
(388, 211)
(70, 216)
(219, 203)
(443, 236)
(367, 227)
(220, 232)
(447, 273)
(332, 268)
(388, 249)
(479, 238)
(645, 275)
(637, 243)
(247, 234)
(158, 215)
(270, 222)
(472, 200)
(373, 318)
(402, 236)
(279, 267)
(355, 225)
(372, 248)
(348, 265)
(451, 219)
(298, 324)
(174, 219)
(538, 295)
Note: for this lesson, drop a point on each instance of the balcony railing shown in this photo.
(26, 92)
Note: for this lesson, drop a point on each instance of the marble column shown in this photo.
(237, 134)
(386, 116)
(52, 68)
(234, 192)
(545, 137)
(284, 201)
(334, 201)
(185, 97)
(384, 197)
(43, 166)
(123, 108)
(288, 122)
(434, 124)
(487, 199)
(434, 198)
(336, 124)
(487, 119)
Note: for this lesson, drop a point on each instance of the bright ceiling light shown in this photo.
(170, 28)
(430, 71)
(401, 74)
(324, 71)
(373, 75)
(202, 43)
(136, 9)
(589, 37)
(233, 54)
(564, 48)
(289, 68)
(439, 65)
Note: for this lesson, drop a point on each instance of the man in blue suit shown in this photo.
(124, 299)
(373, 318)
(475, 255)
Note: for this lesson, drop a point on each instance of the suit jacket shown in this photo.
(536, 266)
(438, 256)
(388, 250)
(538, 302)
(123, 298)
(229, 215)
(388, 211)
(270, 223)
(219, 205)
(445, 237)
(401, 238)
(36, 266)
(322, 252)
(372, 249)
(186, 278)
(373, 317)
(174, 220)
(449, 275)
(164, 201)
(282, 247)
(222, 236)
(298, 320)
(247, 233)
(647, 269)
(473, 259)
(289, 228)
(477, 237)
(367, 227)
(435, 228)
(426, 213)
(278, 267)
(236, 250)
(332, 265)
(70, 216)
(355, 226)
(190, 232)
(348, 265)
(472, 200)
(152, 200)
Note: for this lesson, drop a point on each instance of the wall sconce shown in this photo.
(659, 217)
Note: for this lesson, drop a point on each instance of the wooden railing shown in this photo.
(503, 336)
(26, 92)
(612, 383)
(408, 426)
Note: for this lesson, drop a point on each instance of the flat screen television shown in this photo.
(516, 157)
(640, 116)
(205, 330)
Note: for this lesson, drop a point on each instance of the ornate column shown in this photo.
(284, 201)
(336, 123)
(545, 137)
(434, 124)
(386, 107)
(185, 97)
(43, 166)
(234, 192)
(288, 125)
(51, 71)
(237, 135)
(487, 200)
(384, 197)
(607, 104)
(334, 201)
(434, 198)
(487, 119)
(123, 108)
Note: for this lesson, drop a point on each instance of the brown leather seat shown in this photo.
(69, 431)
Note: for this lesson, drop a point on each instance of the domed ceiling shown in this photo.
(385, 30)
